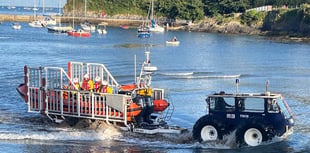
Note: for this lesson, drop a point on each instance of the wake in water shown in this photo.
(198, 75)
(87, 130)
(5, 37)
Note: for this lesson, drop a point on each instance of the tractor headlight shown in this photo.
(291, 121)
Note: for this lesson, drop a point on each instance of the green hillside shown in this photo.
(288, 17)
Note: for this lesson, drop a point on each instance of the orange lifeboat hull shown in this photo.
(160, 105)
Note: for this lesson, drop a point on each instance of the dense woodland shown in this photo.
(178, 9)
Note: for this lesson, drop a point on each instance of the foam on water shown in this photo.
(177, 73)
(209, 76)
(5, 37)
(62, 134)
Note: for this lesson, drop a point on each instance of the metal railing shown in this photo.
(78, 69)
(51, 91)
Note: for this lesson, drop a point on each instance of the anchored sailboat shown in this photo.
(80, 32)
(154, 27)
(59, 28)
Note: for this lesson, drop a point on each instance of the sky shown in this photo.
(39, 3)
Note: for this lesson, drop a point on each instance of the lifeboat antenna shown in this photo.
(237, 85)
(145, 77)
(135, 63)
(267, 86)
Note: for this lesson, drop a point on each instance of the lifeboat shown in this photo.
(160, 105)
(79, 33)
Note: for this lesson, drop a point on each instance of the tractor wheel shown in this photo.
(251, 135)
(207, 129)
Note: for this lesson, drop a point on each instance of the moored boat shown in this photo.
(36, 24)
(143, 32)
(88, 26)
(154, 27)
(102, 28)
(124, 26)
(43, 23)
(16, 26)
(79, 33)
(172, 43)
(59, 29)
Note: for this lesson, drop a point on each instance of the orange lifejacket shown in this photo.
(97, 87)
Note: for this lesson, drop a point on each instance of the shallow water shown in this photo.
(201, 64)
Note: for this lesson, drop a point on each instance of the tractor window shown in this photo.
(284, 107)
(222, 104)
(272, 106)
(253, 105)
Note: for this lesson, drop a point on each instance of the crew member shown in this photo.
(97, 85)
(105, 87)
(76, 84)
(88, 84)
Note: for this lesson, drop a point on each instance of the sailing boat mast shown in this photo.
(152, 10)
(59, 3)
(73, 14)
(34, 9)
(85, 1)
(43, 7)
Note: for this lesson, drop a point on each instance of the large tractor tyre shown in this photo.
(251, 135)
(207, 129)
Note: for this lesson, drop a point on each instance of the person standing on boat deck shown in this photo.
(88, 84)
(97, 85)
(76, 84)
(105, 87)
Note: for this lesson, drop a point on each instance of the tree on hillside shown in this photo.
(214, 7)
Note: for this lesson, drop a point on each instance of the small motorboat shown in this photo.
(16, 26)
(88, 26)
(102, 28)
(172, 42)
(59, 29)
(43, 23)
(124, 26)
(36, 24)
(79, 33)
(144, 32)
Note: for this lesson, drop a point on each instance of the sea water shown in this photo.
(203, 63)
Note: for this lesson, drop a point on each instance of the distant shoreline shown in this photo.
(205, 26)
(68, 19)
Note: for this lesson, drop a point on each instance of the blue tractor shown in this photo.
(255, 118)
